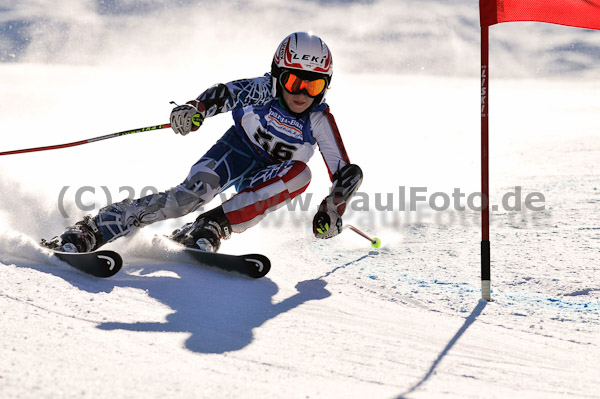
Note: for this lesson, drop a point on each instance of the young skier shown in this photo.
(278, 120)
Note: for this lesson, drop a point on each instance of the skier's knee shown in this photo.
(297, 178)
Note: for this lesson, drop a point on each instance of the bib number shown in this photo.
(277, 149)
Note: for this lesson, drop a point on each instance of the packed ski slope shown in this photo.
(333, 318)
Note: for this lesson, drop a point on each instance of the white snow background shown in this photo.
(335, 318)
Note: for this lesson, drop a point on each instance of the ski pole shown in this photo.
(375, 242)
(75, 143)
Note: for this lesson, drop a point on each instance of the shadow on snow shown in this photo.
(219, 310)
(468, 322)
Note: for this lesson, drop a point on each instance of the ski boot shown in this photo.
(84, 236)
(206, 232)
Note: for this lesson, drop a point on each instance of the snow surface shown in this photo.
(335, 318)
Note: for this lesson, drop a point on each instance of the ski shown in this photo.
(104, 263)
(251, 265)
(99, 263)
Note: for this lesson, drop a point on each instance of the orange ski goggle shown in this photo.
(293, 84)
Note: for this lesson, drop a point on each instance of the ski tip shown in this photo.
(113, 263)
(99, 263)
(259, 265)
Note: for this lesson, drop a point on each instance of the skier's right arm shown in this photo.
(218, 99)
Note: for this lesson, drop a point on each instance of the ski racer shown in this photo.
(279, 119)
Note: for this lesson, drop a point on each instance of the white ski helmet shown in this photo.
(306, 55)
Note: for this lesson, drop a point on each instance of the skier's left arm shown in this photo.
(220, 98)
(346, 177)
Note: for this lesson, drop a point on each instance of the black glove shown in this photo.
(327, 223)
